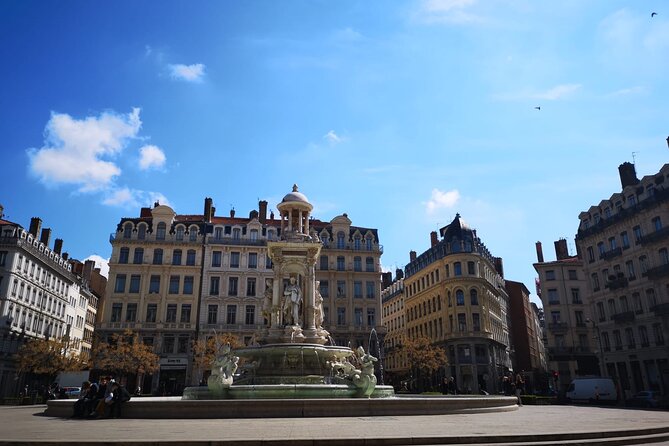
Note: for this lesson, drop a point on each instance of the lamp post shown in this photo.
(601, 350)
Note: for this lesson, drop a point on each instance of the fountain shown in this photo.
(292, 359)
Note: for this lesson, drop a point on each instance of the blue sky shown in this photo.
(399, 113)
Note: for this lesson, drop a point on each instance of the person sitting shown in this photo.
(119, 396)
(80, 404)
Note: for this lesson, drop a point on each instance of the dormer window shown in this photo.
(597, 218)
(607, 212)
(253, 235)
(127, 230)
(141, 232)
(192, 234)
(236, 233)
(341, 243)
(218, 233)
(160, 231)
(180, 233)
(357, 242)
(368, 243)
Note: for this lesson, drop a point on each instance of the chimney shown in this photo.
(89, 265)
(262, 207)
(561, 251)
(35, 226)
(232, 213)
(499, 266)
(271, 215)
(433, 239)
(540, 253)
(208, 209)
(386, 280)
(627, 175)
(412, 256)
(45, 237)
(399, 274)
(145, 213)
(58, 245)
(65, 256)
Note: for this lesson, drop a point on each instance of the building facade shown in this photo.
(624, 243)
(455, 295)
(178, 278)
(396, 364)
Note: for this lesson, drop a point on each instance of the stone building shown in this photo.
(454, 294)
(392, 301)
(176, 278)
(572, 351)
(39, 297)
(624, 245)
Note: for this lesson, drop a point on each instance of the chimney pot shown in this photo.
(35, 226)
(232, 213)
(412, 256)
(627, 173)
(561, 250)
(208, 202)
(58, 245)
(45, 237)
(540, 253)
(262, 208)
(433, 239)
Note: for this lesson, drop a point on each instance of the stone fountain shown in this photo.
(292, 358)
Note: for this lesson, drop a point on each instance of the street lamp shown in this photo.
(601, 351)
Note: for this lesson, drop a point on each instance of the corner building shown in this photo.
(624, 243)
(178, 278)
(455, 295)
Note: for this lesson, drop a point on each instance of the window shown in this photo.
(233, 283)
(658, 335)
(471, 268)
(371, 292)
(553, 297)
(234, 260)
(188, 284)
(218, 233)
(576, 296)
(216, 258)
(251, 286)
(158, 256)
(180, 233)
(127, 230)
(369, 264)
(580, 320)
(657, 223)
(250, 314)
(630, 270)
(629, 335)
(636, 301)
(182, 346)
(253, 260)
(212, 314)
(154, 284)
(131, 312)
(253, 234)
(168, 344)
(141, 231)
(591, 254)
(117, 308)
(160, 231)
(643, 264)
(268, 262)
(151, 312)
(612, 308)
(236, 233)
(357, 289)
(595, 282)
(134, 283)
(231, 317)
(185, 313)
(340, 263)
(357, 263)
(119, 286)
(643, 336)
(324, 288)
(606, 342)
(572, 274)
(600, 311)
(457, 269)
(324, 263)
(341, 243)
(612, 243)
(192, 234)
(476, 322)
(214, 285)
(190, 257)
(601, 249)
(462, 322)
(176, 257)
(174, 284)
(664, 256)
(368, 243)
(474, 297)
(625, 239)
(357, 242)
(341, 288)
(123, 256)
(459, 297)
(637, 233)
(341, 316)
(139, 256)
(357, 317)
(171, 315)
(618, 339)
(650, 297)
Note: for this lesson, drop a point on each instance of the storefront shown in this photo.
(172, 376)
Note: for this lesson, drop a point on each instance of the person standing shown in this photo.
(520, 387)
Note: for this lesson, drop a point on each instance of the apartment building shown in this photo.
(624, 244)
(396, 364)
(454, 294)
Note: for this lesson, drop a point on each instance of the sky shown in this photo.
(513, 113)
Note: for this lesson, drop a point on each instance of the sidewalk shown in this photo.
(28, 424)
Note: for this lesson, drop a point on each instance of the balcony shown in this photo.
(658, 272)
(661, 309)
(655, 236)
(617, 283)
(624, 317)
(237, 241)
(558, 326)
(608, 255)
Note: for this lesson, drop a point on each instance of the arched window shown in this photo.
(180, 233)
(341, 242)
(253, 235)
(192, 234)
(368, 242)
(474, 297)
(124, 255)
(457, 268)
(127, 230)
(141, 231)
(160, 231)
(357, 242)
(459, 297)
(270, 234)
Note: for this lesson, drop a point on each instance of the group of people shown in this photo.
(100, 400)
(514, 386)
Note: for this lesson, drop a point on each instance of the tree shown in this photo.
(206, 350)
(424, 357)
(47, 357)
(125, 355)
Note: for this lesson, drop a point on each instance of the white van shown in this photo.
(592, 390)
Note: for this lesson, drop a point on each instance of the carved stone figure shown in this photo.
(267, 302)
(293, 299)
(365, 380)
(318, 306)
(223, 369)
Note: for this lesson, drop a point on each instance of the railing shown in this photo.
(624, 317)
(237, 241)
(620, 282)
(655, 236)
(661, 309)
(558, 326)
(658, 272)
(608, 255)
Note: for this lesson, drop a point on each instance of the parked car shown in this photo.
(72, 392)
(646, 398)
(593, 390)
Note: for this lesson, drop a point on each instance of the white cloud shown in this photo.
(448, 11)
(627, 91)
(151, 156)
(552, 94)
(332, 137)
(133, 198)
(73, 149)
(100, 262)
(190, 73)
(441, 199)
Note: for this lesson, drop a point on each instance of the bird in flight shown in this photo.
(653, 14)
(537, 108)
